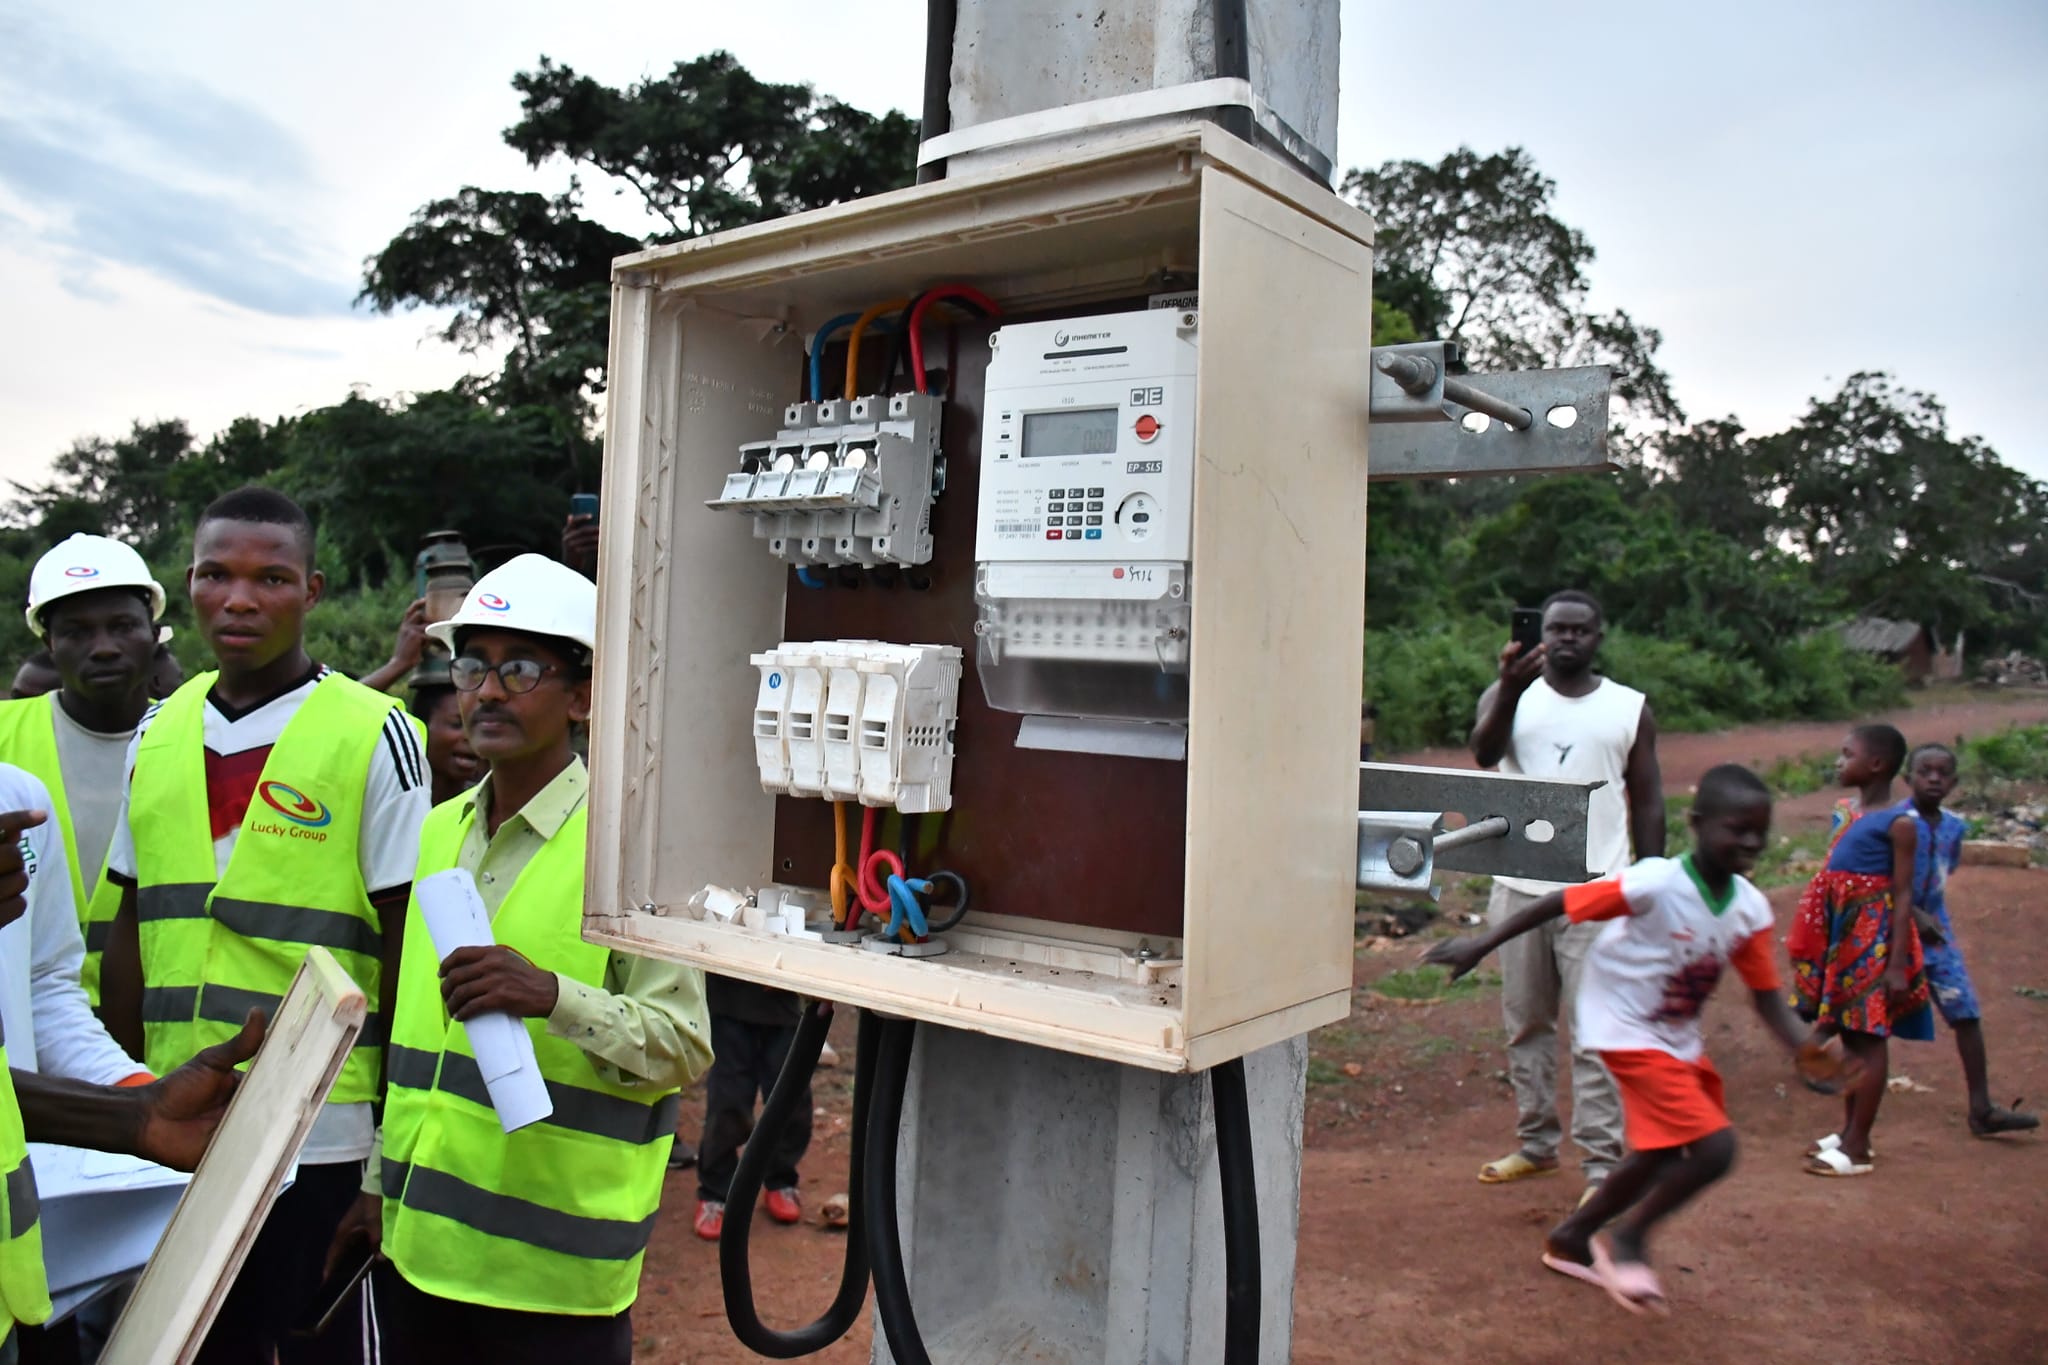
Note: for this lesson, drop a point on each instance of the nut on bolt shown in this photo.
(1405, 856)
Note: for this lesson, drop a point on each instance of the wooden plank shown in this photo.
(1279, 607)
(237, 1181)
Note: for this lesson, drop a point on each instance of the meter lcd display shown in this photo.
(1070, 431)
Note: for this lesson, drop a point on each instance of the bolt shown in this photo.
(1404, 856)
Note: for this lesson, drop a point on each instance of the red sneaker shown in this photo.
(710, 1219)
(784, 1206)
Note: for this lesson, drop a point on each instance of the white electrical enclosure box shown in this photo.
(1082, 541)
(1166, 913)
(858, 720)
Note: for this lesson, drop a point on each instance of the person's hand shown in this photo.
(1824, 1067)
(14, 863)
(579, 544)
(1898, 983)
(1461, 955)
(1929, 927)
(180, 1112)
(1519, 668)
(492, 980)
(412, 636)
(362, 1225)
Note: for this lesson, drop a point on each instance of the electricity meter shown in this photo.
(1082, 538)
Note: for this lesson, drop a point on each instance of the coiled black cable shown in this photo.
(734, 1272)
(885, 1237)
(1241, 1289)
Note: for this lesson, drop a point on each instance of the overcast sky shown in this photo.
(1790, 191)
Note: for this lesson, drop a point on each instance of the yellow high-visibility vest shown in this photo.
(555, 1217)
(28, 740)
(212, 949)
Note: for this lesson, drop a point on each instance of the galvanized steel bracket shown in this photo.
(1545, 838)
(1429, 423)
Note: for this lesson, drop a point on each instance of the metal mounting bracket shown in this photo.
(1514, 826)
(1430, 423)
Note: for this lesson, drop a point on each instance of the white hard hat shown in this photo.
(88, 564)
(533, 595)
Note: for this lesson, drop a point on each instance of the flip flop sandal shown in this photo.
(2003, 1120)
(1512, 1168)
(1584, 1273)
(1634, 1286)
(1835, 1164)
(1831, 1142)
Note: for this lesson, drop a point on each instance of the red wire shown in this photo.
(873, 894)
(944, 291)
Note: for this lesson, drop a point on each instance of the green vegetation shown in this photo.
(2018, 754)
(1427, 984)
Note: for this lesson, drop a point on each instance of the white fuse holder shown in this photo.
(858, 720)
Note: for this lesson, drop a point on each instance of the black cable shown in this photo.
(885, 1237)
(941, 17)
(1241, 1292)
(961, 896)
(735, 1274)
(1233, 58)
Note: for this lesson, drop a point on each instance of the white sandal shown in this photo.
(1835, 1165)
(1833, 1141)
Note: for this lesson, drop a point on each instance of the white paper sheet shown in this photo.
(457, 918)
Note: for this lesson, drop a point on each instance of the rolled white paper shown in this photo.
(457, 918)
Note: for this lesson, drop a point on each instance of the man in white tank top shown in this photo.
(1550, 715)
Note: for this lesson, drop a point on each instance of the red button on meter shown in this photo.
(1147, 427)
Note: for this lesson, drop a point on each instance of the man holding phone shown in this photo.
(1549, 714)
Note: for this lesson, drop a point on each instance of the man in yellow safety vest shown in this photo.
(95, 604)
(272, 806)
(523, 1246)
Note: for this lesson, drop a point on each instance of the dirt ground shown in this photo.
(1942, 1255)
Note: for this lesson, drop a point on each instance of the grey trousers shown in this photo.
(1539, 982)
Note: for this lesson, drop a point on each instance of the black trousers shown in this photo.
(417, 1328)
(746, 1060)
(280, 1281)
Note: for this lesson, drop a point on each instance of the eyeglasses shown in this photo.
(514, 675)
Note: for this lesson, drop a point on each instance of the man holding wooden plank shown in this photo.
(272, 807)
(169, 1121)
(525, 1245)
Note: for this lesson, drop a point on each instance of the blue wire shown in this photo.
(803, 576)
(903, 905)
(818, 351)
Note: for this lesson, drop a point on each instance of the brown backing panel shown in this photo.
(1076, 838)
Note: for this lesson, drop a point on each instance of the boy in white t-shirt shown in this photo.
(1672, 925)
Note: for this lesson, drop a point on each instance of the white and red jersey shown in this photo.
(1666, 942)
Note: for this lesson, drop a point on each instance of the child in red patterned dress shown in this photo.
(1857, 970)
(1673, 925)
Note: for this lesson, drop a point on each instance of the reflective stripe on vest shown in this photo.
(28, 740)
(555, 1217)
(212, 951)
(24, 1293)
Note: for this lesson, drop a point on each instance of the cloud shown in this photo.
(146, 169)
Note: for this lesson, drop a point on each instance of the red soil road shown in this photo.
(1686, 757)
(1405, 1256)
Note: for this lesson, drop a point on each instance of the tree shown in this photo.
(128, 483)
(706, 147)
(1470, 249)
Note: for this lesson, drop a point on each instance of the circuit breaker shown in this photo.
(844, 482)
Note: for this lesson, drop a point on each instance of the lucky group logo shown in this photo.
(490, 601)
(81, 571)
(294, 805)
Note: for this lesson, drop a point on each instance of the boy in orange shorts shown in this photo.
(1673, 924)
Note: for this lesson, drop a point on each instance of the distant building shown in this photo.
(1912, 647)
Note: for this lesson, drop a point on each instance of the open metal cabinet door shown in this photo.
(237, 1181)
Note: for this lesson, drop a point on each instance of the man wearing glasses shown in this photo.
(526, 1245)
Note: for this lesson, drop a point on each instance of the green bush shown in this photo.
(2019, 754)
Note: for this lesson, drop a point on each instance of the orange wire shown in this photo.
(853, 343)
(842, 871)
